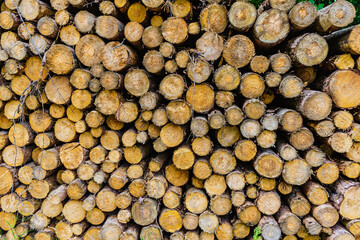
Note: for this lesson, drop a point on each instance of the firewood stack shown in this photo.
(179, 120)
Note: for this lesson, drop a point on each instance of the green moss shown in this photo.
(257, 233)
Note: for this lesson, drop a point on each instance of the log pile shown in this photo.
(179, 120)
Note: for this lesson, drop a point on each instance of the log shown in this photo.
(334, 16)
(270, 36)
(316, 193)
(170, 220)
(248, 214)
(332, 85)
(268, 202)
(296, 172)
(302, 15)
(208, 222)
(269, 228)
(238, 51)
(315, 49)
(326, 215)
(298, 204)
(213, 18)
(144, 212)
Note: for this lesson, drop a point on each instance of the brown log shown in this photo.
(302, 139)
(133, 32)
(289, 119)
(349, 169)
(151, 231)
(33, 9)
(267, 36)
(172, 197)
(269, 228)
(111, 228)
(332, 85)
(182, 58)
(340, 142)
(315, 49)
(210, 45)
(95, 216)
(325, 214)
(248, 214)
(302, 15)
(268, 202)
(298, 204)
(296, 172)
(238, 51)
(156, 187)
(316, 193)
(151, 37)
(314, 105)
(213, 18)
(291, 86)
(289, 223)
(346, 43)
(242, 15)
(144, 212)
(215, 185)
(334, 16)
(328, 173)
(263, 162)
(62, 17)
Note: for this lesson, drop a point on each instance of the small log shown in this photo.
(111, 228)
(172, 197)
(298, 204)
(269, 228)
(176, 176)
(156, 187)
(208, 222)
(328, 173)
(268, 202)
(58, 90)
(302, 15)
(340, 142)
(63, 17)
(264, 160)
(332, 85)
(291, 86)
(144, 212)
(339, 232)
(334, 16)
(210, 45)
(314, 105)
(314, 49)
(325, 214)
(222, 161)
(238, 51)
(289, 223)
(248, 214)
(296, 172)
(34, 9)
(170, 220)
(95, 216)
(268, 36)
(316, 193)
(252, 85)
(213, 18)
(302, 139)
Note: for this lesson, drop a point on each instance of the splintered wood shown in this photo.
(179, 120)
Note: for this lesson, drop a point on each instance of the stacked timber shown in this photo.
(179, 120)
